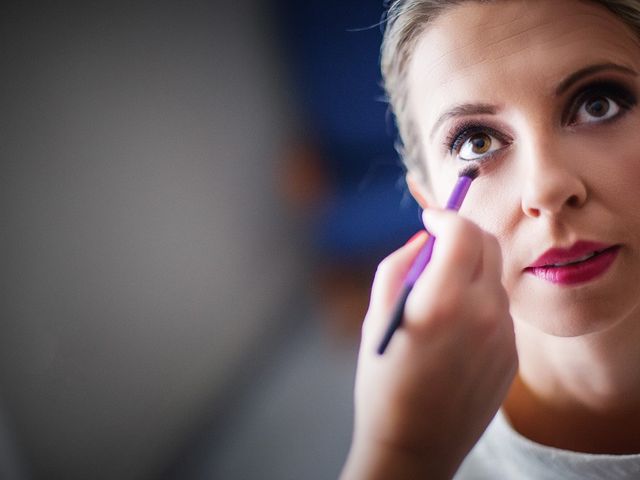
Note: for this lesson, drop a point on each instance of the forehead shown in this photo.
(494, 52)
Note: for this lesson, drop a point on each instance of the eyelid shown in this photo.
(468, 128)
(613, 89)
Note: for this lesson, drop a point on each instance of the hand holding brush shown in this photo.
(423, 404)
(456, 198)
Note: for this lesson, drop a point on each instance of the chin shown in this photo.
(578, 315)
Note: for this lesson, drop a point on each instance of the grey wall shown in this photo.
(144, 247)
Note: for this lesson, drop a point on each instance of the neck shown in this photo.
(579, 393)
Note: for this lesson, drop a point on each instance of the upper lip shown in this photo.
(576, 252)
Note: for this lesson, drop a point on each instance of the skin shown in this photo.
(557, 178)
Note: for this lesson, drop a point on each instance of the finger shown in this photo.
(392, 271)
(458, 247)
(388, 282)
(442, 288)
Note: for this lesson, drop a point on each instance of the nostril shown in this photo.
(533, 212)
(573, 201)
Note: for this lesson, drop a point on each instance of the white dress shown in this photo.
(504, 454)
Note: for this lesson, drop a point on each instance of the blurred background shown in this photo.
(194, 198)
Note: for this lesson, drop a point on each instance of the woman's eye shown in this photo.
(479, 145)
(596, 109)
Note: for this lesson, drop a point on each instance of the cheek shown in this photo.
(611, 165)
(442, 180)
(493, 203)
(626, 159)
(617, 193)
(495, 215)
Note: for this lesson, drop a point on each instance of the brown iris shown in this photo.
(597, 107)
(481, 142)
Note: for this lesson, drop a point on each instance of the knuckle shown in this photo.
(485, 325)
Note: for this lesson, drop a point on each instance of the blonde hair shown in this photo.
(405, 21)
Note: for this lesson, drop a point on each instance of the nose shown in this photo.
(552, 183)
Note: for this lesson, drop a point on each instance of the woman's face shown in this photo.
(543, 95)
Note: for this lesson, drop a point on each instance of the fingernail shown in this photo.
(415, 237)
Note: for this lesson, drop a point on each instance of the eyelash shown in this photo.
(620, 94)
(466, 130)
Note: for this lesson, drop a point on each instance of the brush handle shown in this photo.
(420, 263)
(396, 318)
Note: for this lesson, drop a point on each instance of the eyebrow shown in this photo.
(464, 110)
(565, 84)
(468, 109)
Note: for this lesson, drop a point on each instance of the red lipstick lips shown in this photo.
(580, 263)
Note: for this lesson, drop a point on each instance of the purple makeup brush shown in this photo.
(456, 198)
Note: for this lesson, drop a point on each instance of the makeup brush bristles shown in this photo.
(472, 171)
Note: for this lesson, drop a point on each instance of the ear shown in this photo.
(418, 190)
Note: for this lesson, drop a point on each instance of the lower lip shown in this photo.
(578, 272)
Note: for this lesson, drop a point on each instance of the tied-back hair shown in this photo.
(404, 21)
